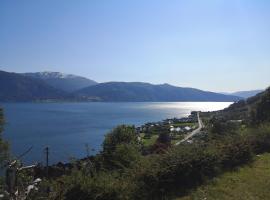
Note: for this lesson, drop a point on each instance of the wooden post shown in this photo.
(87, 150)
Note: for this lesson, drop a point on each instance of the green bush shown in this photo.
(259, 138)
(187, 166)
(159, 176)
(124, 156)
(120, 135)
(235, 151)
(102, 186)
(120, 148)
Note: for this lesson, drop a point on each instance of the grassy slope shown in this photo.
(185, 124)
(248, 183)
(150, 141)
(153, 139)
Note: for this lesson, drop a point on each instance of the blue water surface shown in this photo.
(67, 127)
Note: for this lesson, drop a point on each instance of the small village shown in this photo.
(177, 128)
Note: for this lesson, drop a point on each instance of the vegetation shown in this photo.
(177, 170)
(248, 182)
(122, 170)
(253, 110)
(261, 112)
(169, 131)
(136, 91)
(3, 149)
(150, 140)
(49, 87)
(158, 176)
(120, 148)
(3, 144)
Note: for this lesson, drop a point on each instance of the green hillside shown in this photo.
(250, 182)
(254, 109)
(138, 91)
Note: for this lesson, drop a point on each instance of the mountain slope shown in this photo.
(246, 94)
(256, 108)
(65, 82)
(136, 91)
(16, 87)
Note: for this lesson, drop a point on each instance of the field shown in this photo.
(247, 183)
(190, 124)
(150, 141)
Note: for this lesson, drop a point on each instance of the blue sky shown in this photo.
(217, 45)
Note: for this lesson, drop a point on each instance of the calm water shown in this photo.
(67, 127)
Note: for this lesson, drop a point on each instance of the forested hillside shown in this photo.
(137, 91)
(254, 109)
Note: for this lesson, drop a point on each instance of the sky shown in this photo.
(215, 45)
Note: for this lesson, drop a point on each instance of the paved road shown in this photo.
(196, 131)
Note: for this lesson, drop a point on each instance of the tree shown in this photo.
(122, 134)
(162, 143)
(121, 148)
(262, 112)
(3, 144)
(125, 155)
(3, 148)
(164, 138)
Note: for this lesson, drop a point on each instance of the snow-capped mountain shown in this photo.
(66, 82)
(16, 87)
(48, 74)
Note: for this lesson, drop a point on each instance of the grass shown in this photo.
(150, 141)
(250, 182)
(177, 139)
(184, 124)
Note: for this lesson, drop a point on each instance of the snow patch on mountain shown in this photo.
(49, 75)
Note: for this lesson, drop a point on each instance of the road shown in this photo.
(196, 131)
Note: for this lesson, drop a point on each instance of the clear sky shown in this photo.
(217, 45)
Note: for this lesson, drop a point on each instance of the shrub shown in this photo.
(120, 148)
(235, 151)
(102, 186)
(120, 135)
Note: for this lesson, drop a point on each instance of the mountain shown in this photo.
(253, 108)
(16, 87)
(246, 94)
(65, 82)
(136, 91)
(53, 86)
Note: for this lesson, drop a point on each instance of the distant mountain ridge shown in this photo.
(55, 86)
(137, 91)
(246, 94)
(16, 87)
(250, 108)
(65, 82)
